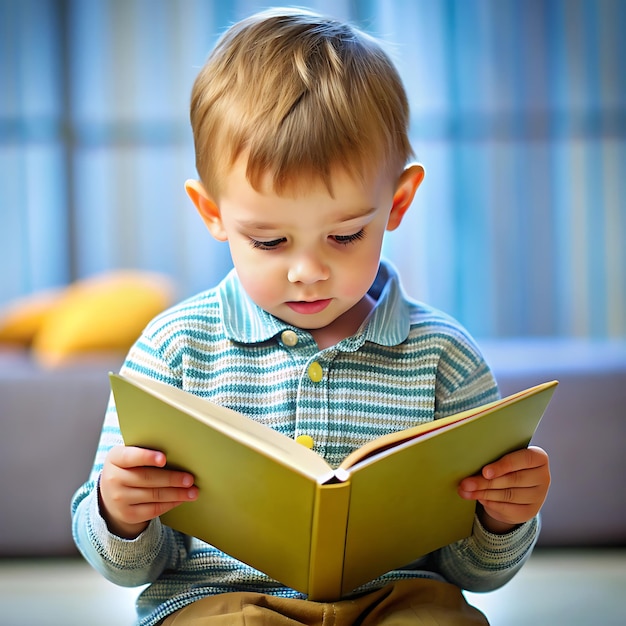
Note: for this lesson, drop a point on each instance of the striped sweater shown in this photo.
(407, 364)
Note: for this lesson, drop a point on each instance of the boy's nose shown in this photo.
(307, 269)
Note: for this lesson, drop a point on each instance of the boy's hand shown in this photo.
(512, 490)
(135, 488)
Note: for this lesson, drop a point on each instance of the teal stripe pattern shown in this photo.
(407, 364)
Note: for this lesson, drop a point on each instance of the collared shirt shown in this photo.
(408, 363)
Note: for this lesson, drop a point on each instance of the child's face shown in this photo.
(309, 258)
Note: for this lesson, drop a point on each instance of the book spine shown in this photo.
(330, 522)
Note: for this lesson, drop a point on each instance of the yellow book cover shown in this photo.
(279, 507)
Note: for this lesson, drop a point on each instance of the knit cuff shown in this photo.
(119, 553)
(507, 549)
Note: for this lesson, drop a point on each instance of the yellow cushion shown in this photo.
(22, 318)
(102, 313)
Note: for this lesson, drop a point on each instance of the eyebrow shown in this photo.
(256, 225)
(357, 214)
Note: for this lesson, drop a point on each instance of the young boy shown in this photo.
(300, 127)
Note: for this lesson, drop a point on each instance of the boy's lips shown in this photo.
(308, 308)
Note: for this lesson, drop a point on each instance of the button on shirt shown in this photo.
(289, 338)
(315, 372)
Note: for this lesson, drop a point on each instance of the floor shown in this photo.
(572, 588)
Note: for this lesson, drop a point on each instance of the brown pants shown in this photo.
(418, 602)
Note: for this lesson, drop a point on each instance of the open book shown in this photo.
(279, 507)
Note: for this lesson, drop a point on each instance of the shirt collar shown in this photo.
(388, 324)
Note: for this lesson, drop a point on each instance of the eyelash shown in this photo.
(267, 245)
(342, 240)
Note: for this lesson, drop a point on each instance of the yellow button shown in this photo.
(316, 373)
(306, 441)
(289, 338)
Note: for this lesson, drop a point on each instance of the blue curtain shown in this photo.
(518, 114)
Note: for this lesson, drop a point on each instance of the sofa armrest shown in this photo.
(51, 421)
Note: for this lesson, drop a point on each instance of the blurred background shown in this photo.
(519, 230)
(518, 115)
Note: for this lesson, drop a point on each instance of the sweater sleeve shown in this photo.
(129, 563)
(485, 561)
(125, 562)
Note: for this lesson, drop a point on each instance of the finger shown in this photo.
(123, 502)
(140, 514)
(517, 496)
(161, 495)
(532, 483)
(142, 468)
(527, 458)
(148, 477)
(521, 479)
(145, 512)
(128, 457)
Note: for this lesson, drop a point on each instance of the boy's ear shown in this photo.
(208, 209)
(408, 183)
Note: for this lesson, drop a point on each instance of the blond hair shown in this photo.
(298, 94)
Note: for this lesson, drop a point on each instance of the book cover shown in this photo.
(279, 507)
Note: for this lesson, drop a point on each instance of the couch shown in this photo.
(51, 422)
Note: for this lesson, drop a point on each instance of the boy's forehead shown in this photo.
(304, 182)
(348, 199)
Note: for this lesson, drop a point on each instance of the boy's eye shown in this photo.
(267, 245)
(346, 239)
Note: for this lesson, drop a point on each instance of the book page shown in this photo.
(391, 440)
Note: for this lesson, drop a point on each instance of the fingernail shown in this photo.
(192, 493)
(187, 481)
